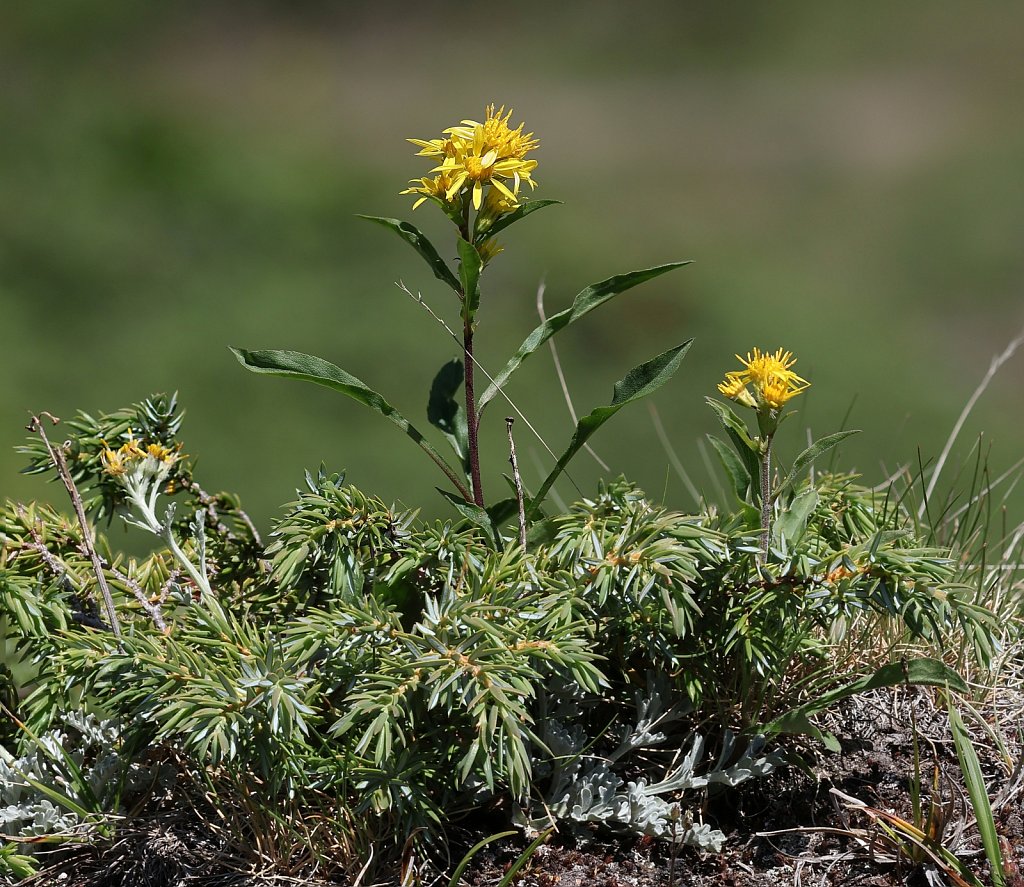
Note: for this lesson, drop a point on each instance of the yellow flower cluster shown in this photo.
(770, 375)
(472, 155)
(131, 457)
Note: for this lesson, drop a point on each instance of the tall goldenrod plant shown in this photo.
(481, 175)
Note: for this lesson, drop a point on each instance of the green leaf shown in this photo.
(792, 523)
(970, 767)
(638, 382)
(418, 241)
(524, 210)
(308, 368)
(524, 857)
(733, 423)
(470, 266)
(746, 447)
(738, 473)
(445, 411)
(502, 511)
(464, 863)
(589, 299)
(476, 515)
(812, 453)
(928, 672)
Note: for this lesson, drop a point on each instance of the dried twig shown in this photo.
(518, 481)
(153, 609)
(210, 503)
(88, 543)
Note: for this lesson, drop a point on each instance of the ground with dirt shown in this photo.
(799, 826)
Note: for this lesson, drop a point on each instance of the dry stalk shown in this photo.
(518, 482)
(88, 543)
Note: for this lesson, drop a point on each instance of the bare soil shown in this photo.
(798, 827)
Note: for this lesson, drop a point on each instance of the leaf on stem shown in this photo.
(446, 412)
(792, 523)
(746, 447)
(308, 368)
(524, 210)
(639, 382)
(419, 242)
(470, 266)
(734, 466)
(589, 299)
(476, 515)
(810, 454)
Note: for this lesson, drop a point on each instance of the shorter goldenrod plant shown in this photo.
(765, 384)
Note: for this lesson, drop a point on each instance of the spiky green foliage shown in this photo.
(389, 675)
(155, 420)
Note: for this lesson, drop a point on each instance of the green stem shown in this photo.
(766, 499)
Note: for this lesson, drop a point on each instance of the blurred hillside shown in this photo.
(177, 178)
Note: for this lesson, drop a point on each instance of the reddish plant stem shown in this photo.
(467, 347)
(471, 418)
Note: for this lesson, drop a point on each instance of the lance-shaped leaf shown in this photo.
(974, 779)
(738, 472)
(638, 382)
(418, 241)
(476, 515)
(810, 454)
(445, 411)
(502, 223)
(308, 368)
(925, 672)
(589, 299)
(792, 523)
(470, 266)
(746, 447)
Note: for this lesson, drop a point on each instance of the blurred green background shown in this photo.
(177, 178)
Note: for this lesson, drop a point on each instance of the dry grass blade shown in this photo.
(997, 362)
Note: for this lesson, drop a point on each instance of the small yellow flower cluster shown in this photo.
(771, 377)
(472, 155)
(134, 459)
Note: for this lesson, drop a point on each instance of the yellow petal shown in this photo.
(500, 185)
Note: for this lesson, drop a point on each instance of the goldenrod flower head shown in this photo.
(770, 375)
(760, 368)
(474, 154)
(735, 388)
(437, 187)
